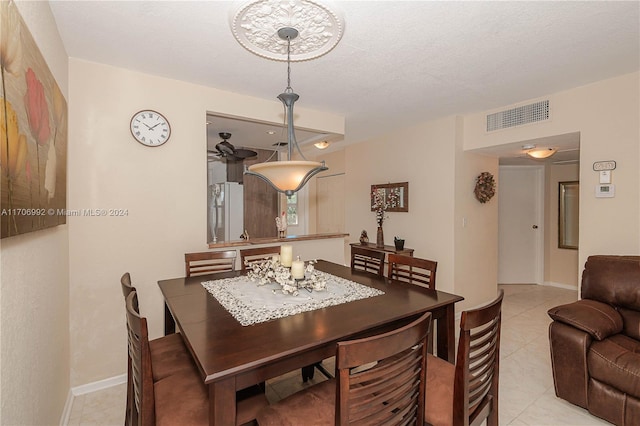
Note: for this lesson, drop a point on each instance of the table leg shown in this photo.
(169, 322)
(446, 335)
(222, 402)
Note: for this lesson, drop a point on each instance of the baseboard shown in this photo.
(66, 412)
(88, 388)
(560, 285)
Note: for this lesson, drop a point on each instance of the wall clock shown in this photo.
(150, 128)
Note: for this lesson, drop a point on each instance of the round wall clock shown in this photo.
(150, 128)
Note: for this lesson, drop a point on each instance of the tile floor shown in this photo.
(526, 385)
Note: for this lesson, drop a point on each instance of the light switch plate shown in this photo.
(605, 176)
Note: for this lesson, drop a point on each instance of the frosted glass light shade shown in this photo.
(541, 152)
(286, 176)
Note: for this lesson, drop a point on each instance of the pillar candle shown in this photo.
(297, 269)
(286, 255)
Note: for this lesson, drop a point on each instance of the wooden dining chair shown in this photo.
(169, 355)
(178, 399)
(364, 259)
(248, 256)
(209, 262)
(381, 380)
(467, 393)
(412, 270)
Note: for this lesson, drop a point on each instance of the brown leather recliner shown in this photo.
(595, 342)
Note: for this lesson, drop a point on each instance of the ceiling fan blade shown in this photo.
(244, 153)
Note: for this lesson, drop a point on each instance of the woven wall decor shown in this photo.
(485, 187)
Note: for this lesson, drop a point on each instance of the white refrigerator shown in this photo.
(226, 211)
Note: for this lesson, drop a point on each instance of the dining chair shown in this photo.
(380, 380)
(467, 393)
(248, 256)
(178, 399)
(209, 262)
(168, 353)
(367, 260)
(413, 270)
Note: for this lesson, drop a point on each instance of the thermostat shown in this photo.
(605, 191)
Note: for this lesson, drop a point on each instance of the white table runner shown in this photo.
(250, 303)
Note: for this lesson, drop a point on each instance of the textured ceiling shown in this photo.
(398, 63)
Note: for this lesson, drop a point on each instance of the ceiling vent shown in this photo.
(525, 114)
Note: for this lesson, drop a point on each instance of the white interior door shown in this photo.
(520, 225)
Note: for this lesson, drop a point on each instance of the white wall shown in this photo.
(34, 288)
(561, 265)
(476, 239)
(424, 156)
(162, 188)
(607, 115)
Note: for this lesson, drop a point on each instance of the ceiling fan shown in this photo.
(224, 149)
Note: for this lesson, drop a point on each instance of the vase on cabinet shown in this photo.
(380, 237)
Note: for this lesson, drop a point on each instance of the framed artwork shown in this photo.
(33, 133)
(394, 196)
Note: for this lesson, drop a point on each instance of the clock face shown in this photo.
(150, 128)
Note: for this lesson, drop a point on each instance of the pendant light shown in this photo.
(287, 176)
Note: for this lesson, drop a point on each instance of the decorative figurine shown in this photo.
(364, 238)
(281, 224)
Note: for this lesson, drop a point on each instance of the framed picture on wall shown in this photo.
(395, 195)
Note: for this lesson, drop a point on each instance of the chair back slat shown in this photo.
(477, 365)
(412, 270)
(366, 260)
(209, 262)
(381, 379)
(249, 256)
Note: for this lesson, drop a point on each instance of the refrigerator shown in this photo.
(226, 211)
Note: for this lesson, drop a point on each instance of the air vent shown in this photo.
(525, 114)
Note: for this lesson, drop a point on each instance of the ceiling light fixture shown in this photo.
(287, 176)
(539, 153)
(321, 144)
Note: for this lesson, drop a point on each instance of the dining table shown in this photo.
(231, 356)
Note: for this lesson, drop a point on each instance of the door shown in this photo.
(520, 225)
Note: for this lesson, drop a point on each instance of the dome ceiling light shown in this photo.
(538, 153)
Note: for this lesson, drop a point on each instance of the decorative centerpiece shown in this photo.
(271, 270)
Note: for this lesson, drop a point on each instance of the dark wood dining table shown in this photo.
(231, 357)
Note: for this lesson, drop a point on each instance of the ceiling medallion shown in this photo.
(256, 26)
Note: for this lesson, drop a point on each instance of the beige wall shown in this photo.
(162, 188)
(425, 156)
(441, 180)
(34, 288)
(560, 265)
(475, 229)
(607, 115)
